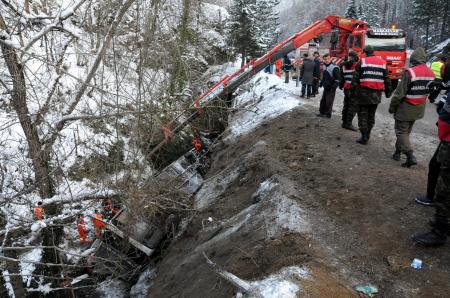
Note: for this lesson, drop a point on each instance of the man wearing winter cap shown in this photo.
(408, 103)
(369, 80)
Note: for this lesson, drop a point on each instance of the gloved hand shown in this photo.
(392, 110)
(335, 85)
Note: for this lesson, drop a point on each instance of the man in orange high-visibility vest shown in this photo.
(98, 224)
(82, 229)
(39, 211)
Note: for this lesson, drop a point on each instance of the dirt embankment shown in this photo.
(298, 191)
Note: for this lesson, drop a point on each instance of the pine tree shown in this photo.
(423, 14)
(241, 31)
(350, 11)
(361, 14)
(266, 24)
(372, 12)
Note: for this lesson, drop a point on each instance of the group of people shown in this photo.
(98, 219)
(363, 81)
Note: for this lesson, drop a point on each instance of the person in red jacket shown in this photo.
(278, 65)
(39, 211)
(197, 144)
(369, 80)
(440, 226)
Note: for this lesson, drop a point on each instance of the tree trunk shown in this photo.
(445, 24)
(13, 268)
(427, 34)
(243, 59)
(19, 101)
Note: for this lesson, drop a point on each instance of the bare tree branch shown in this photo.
(56, 24)
(92, 71)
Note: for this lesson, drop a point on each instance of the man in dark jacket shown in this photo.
(408, 103)
(440, 225)
(434, 165)
(369, 80)
(350, 107)
(315, 88)
(287, 65)
(307, 75)
(330, 81)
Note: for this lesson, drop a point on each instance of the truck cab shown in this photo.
(389, 44)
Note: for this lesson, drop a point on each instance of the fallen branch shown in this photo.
(243, 285)
(39, 263)
(59, 220)
(148, 251)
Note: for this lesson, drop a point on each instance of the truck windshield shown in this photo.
(386, 43)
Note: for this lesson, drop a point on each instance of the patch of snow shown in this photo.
(47, 288)
(286, 215)
(268, 98)
(264, 188)
(283, 284)
(8, 284)
(112, 288)
(27, 268)
(37, 226)
(145, 281)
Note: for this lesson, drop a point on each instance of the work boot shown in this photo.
(432, 238)
(434, 225)
(368, 134)
(424, 200)
(410, 160)
(397, 155)
(363, 139)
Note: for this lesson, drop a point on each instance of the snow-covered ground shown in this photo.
(268, 97)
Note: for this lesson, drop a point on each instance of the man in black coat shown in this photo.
(315, 87)
(307, 75)
(330, 81)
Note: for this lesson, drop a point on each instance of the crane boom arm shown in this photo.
(230, 83)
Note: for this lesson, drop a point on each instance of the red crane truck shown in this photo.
(349, 34)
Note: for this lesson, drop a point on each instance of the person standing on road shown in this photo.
(278, 65)
(315, 87)
(438, 69)
(434, 165)
(330, 81)
(369, 80)
(440, 226)
(287, 65)
(408, 104)
(349, 109)
(307, 75)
